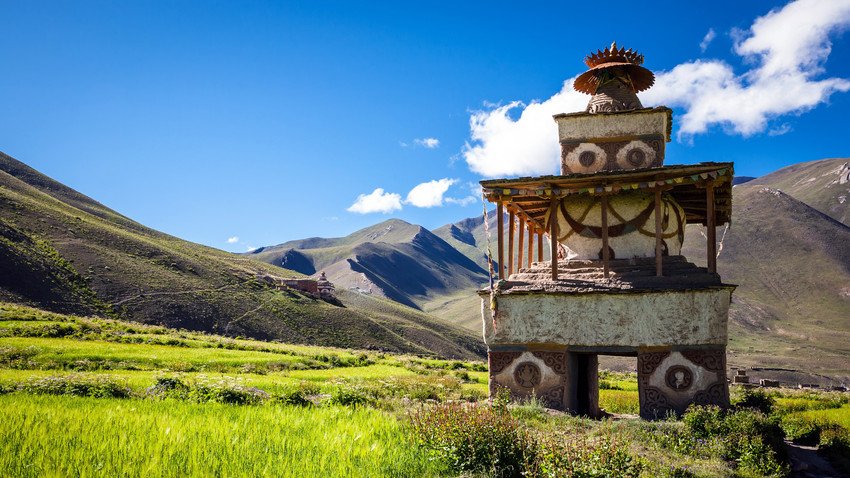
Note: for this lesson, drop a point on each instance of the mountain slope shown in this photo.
(823, 185)
(63, 251)
(792, 266)
(394, 259)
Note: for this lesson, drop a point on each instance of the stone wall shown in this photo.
(626, 320)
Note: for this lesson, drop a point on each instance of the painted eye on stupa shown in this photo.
(586, 158)
(636, 154)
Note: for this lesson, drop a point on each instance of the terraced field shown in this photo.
(87, 396)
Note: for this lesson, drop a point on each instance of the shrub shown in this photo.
(297, 395)
(800, 430)
(203, 390)
(350, 395)
(225, 391)
(488, 440)
(746, 437)
(475, 439)
(558, 457)
(77, 385)
(835, 444)
(756, 400)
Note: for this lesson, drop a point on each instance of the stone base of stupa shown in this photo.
(544, 337)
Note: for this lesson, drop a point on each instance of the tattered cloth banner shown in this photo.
(609, 188)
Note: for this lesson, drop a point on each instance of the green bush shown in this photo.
(475, 439)
(756, 400)
(203, 390)
(801, 430)
(297, 395)
(747, 437)
(89, 386)
(350, 395)
(488, 440)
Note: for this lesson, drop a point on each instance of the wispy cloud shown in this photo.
(463, 202)
(786, 49)
(707, 39)
(233, 240)
(376, 201)
(430, 143)
(429, 194)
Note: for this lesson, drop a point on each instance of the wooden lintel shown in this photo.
(529, 217)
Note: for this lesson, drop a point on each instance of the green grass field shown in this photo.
(72, 436)
(99, 397)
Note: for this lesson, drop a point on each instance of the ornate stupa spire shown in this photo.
(614, 79)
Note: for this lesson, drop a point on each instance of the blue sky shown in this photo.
(266, 120)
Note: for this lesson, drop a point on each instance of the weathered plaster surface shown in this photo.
(587, 210)
(589, 127)
(697, 317)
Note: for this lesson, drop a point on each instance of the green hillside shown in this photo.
(792, 266)
(394, 259)
(65, 252)
(823, 185)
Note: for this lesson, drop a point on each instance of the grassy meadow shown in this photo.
(86, 396)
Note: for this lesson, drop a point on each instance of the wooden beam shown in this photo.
(540, 246)
(553, 236)
(605, 252)
(511, 221)
(658, 252)
(530, 244)
(712, 230)
(500, 241)
(521, 247)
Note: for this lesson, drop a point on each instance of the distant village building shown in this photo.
(304, 285)
(616, 283)
(319, 288)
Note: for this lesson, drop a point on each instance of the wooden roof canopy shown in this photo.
(531, 197)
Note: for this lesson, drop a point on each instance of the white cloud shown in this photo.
(786, 49)
(429, 194)
(233, 240)
(430, 143)
(707, 39)
(463, 202)
(376, 201)
(250, 248)
(501, 145)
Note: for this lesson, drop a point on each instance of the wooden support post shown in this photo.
(521, 246)
(712, 229)
(511, 226)
(606, 254)
(553, 236)
(500, 241)
(530, 244)
(658, 232)
(540, 246)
